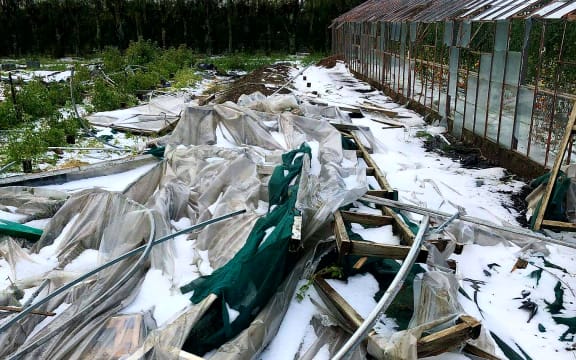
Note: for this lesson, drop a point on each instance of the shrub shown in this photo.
(142, 52)
(8, 118)
(24, 145)
(106, 98)
(112, 59)
(185, 78)
(34, 100)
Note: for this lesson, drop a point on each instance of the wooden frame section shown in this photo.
(372, 170)
(466, 326)
(363, 248)
(566, 140)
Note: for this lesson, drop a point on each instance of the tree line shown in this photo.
(79, 27)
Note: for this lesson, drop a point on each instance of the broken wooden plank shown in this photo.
(19, 309)
(377, 109)
(367, 219)
(476, 351)
(396, 252)
(348, 127)
(336, 302)
(444, 340)
(558, 224)
(342, 240)
(441, 245)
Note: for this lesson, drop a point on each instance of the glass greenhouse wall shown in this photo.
(503, 70)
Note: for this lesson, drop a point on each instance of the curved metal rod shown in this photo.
(473, 220)
(110, 263)
(388, 296)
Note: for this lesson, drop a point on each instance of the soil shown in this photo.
(329, 62)
(518, 203)
(469, 157)
(266, 79)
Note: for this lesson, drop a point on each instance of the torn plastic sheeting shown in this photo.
(114, 239)
(156, 116)
(273, 104)
(34, 203)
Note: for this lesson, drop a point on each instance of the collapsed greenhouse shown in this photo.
(322, 221)
(502, 73)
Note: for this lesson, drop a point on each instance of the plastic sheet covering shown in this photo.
(89, 220)
(273, 104)
(33, 203)
(436, 307)
(198, 183)
(331, 113)
(156, 116)
(476, 234)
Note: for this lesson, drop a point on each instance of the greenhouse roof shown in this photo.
(473, 10)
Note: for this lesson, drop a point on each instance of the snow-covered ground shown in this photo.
(421, 178)
(439, 183)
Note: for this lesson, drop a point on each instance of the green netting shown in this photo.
(18, 230)
(246, 282)
(556, 209)
(156, 151)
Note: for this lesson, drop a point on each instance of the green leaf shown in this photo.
(557, 306)
(536, 274)
(551, 265)
(571, 323)
(541, 328)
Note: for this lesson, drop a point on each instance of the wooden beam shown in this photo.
(558, 224)
(397, 252)
(337, 302)
(348, 127)
(476, 351)
(342, 240)
(367, 219)
(444, 340)
(19, 309)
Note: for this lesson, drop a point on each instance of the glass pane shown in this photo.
(513, 68)
(464, 34)
(448, 32)
(471, 88)
(483, 93)
(523, 119)
(413, 31)
(501, 42)
(507, 118)
(453, 67)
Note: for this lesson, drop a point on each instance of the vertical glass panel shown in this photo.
(483, 93)
(413, 31)
(513, 64)
(471, 88)
(464, 34)
(501, 41)
(523, 119)
(448, 33)
(495, 96)
(397, 29)
(507, 118)
(453, 68)
(498, 67)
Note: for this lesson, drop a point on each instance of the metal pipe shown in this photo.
(470, 219)
(110, 263)
(388, 296)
